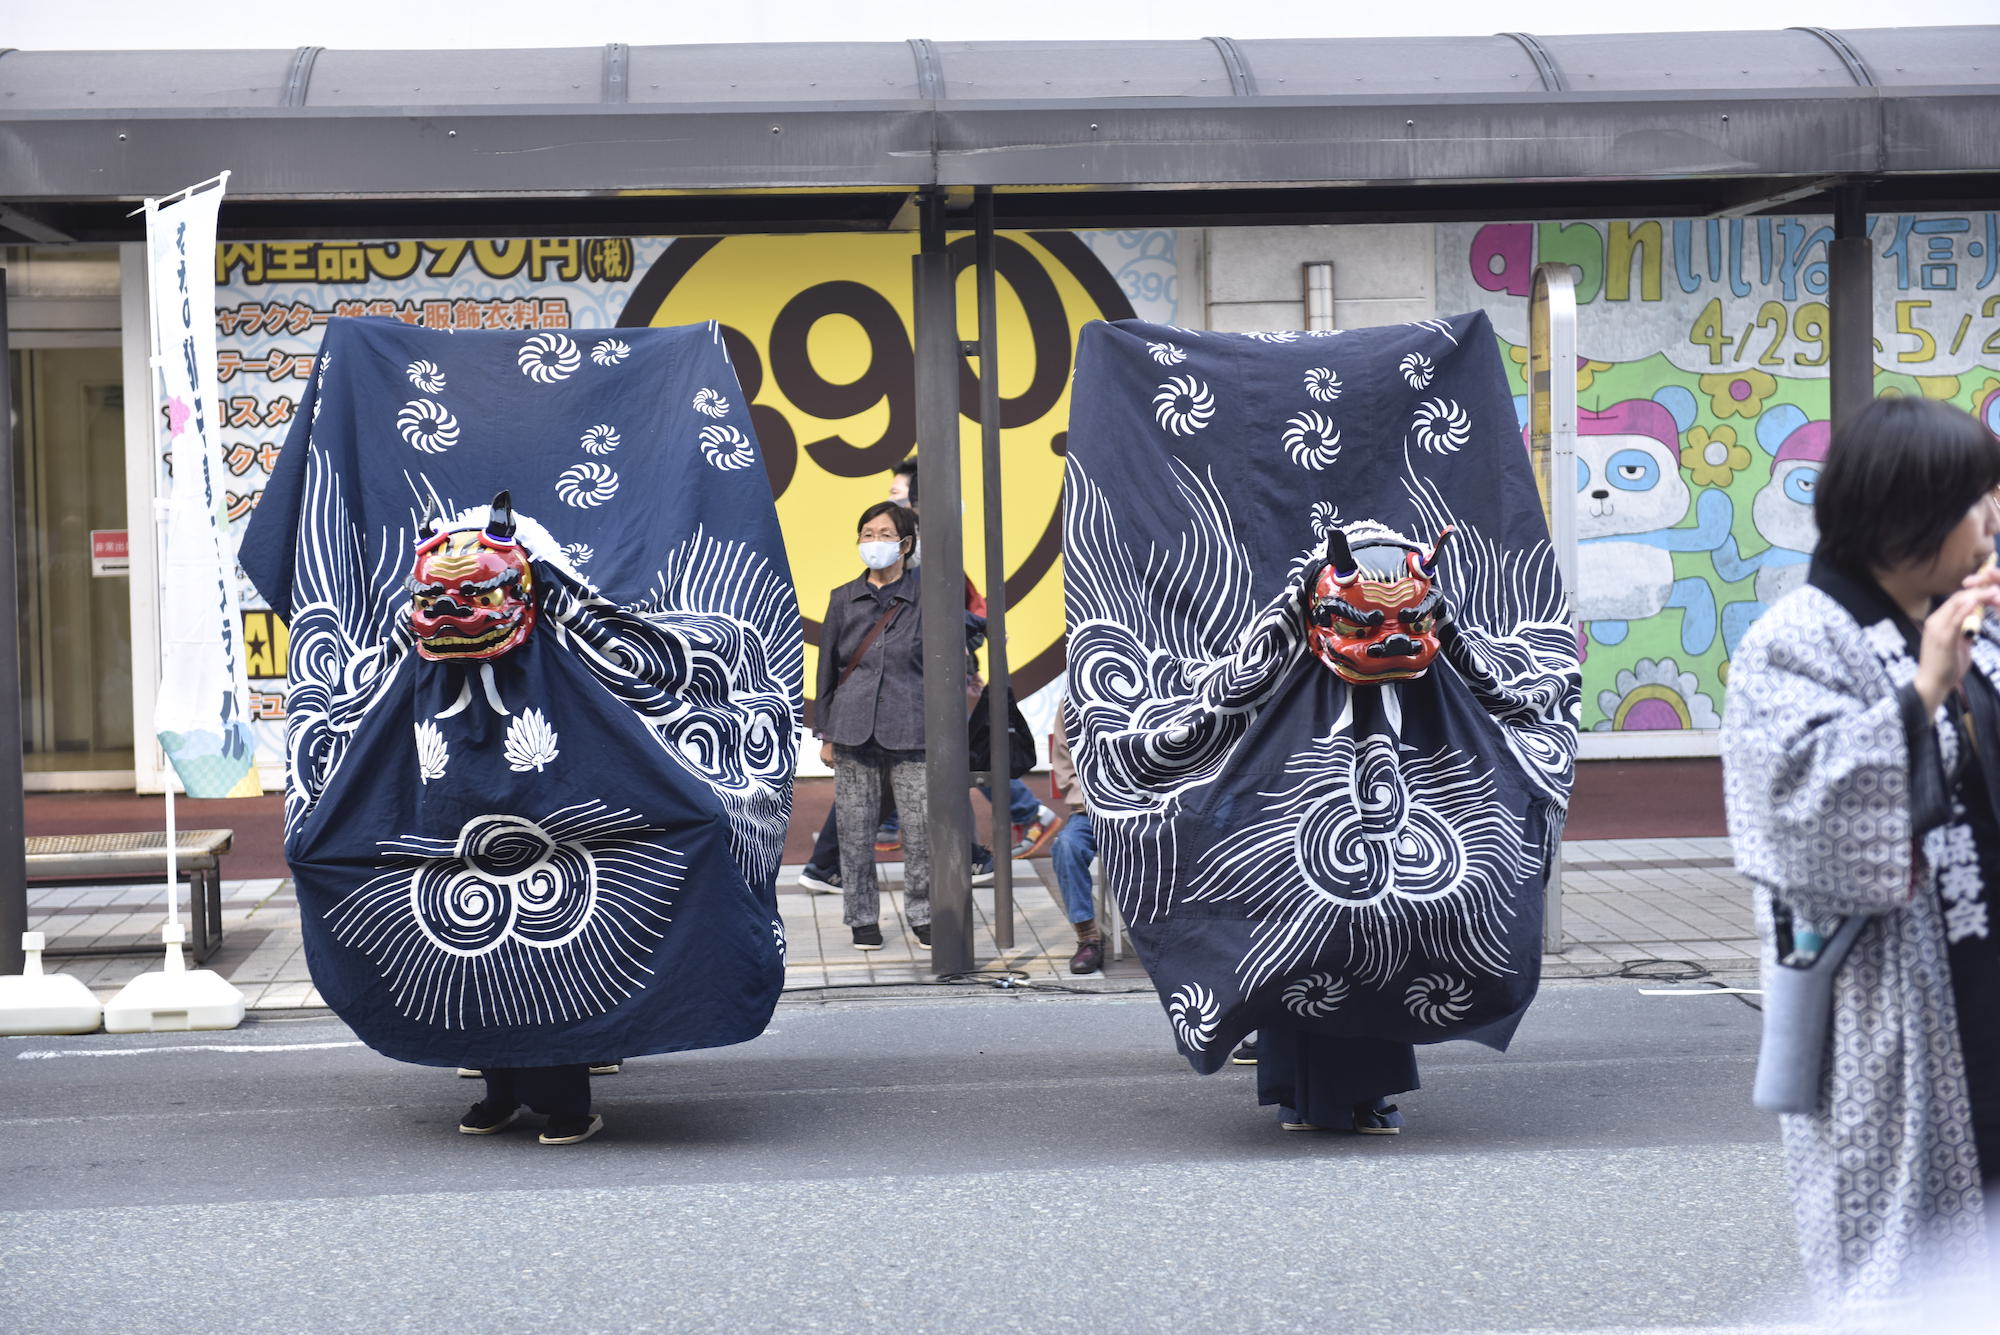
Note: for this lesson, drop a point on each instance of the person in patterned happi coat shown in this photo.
(1859, 746)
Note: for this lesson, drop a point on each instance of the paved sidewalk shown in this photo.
(1624, 901)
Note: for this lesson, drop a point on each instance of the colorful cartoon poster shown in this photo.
(820, 332)
(1702, 395)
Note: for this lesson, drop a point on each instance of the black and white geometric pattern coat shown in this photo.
(1817, 759)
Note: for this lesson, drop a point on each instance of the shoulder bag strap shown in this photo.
(868, 640)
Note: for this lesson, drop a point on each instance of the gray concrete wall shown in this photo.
(1382, 274)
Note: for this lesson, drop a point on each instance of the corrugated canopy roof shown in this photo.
(794, 135)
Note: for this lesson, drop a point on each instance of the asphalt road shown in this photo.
(958, 1162)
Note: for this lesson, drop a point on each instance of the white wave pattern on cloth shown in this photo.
(723, 634)
(1312, 440)
(548, 358)
(428, 426)
(1398, 855)
(1151, 720)
(587, 485)
(1184, 405)
(341, 601)
(576, 900)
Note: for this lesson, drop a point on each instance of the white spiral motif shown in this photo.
(1193, 1012)
(1441, 426)
(1275, 335)
(1316, 994)
(426, 376)
(578, 553)
(1324, 333)
(726, 447)
(1438, 998)
(600, 439)
(1417, 370)
(547, 358)
(778, 934)
(427, 426)
(1323, 383)
(587, 485)
(1183, 405)
(1312, 440)
(1166, 354)
(710, 403)
(610, 352)
(1325, 514)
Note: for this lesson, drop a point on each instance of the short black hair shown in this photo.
(904, 518)
(908, 469)
(1898, 479)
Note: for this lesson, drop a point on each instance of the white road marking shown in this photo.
(182, 1047)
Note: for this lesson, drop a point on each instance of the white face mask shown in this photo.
(880, 555)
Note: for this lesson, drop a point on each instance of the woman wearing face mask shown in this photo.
(870, 720)
(1861, 752)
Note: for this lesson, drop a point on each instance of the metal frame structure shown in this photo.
(916, 136)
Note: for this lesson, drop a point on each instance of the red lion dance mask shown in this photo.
(472, 591)
(1375, 619)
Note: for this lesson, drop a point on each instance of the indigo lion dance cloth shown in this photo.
(1327, 745)
(540, 770)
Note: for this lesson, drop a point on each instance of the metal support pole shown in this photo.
(1552, 421)
(942, 591)
(1000, 767)
(1850, 298)
(13, 819)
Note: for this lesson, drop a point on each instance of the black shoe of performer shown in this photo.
(572, 1129)
(868, 936)
(1246, 1054)
(483, 1119)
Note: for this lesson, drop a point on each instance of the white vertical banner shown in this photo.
(200, 713)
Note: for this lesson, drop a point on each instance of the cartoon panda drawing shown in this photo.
(1783, 513)
(1630, 497)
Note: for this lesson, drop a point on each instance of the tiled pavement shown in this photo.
(1623, 901)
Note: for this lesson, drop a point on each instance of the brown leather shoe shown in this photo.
(1089, 957)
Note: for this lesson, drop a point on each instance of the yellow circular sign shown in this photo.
(819, 330)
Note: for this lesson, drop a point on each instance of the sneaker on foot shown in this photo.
(1377, 1117)
(1300, 1126)
(606, 1068)
(982, 866)
(1032, 840)
(1089, 957)
(820, 882)
(571, 1130)
(868, 937)
(1245, 1054)
(921, 931)
(483, 1119)
(888, 838)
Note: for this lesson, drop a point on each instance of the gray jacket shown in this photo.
(883, 701)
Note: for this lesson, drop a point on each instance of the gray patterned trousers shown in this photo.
(858, 772)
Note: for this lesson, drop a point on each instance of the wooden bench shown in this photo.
(134, 859)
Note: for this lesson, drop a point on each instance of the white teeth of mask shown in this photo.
(880, 555)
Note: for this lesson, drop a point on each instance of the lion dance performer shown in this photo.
(1323, 692)
(539, 747)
